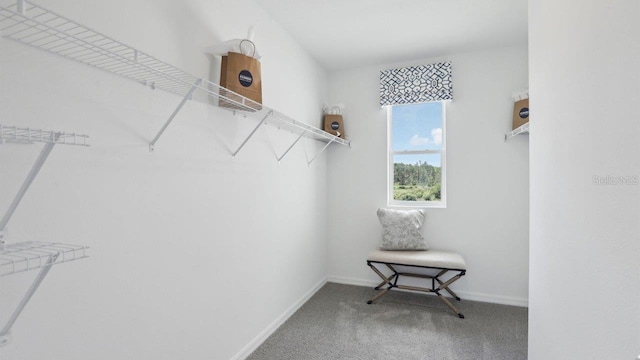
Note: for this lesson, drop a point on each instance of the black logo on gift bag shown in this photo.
(524, 113)
(245, 78)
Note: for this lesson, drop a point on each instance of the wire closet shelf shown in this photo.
(28, 135)
(38, 27)
(523, 129)
(25, 256)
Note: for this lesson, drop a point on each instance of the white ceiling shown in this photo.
(348, 33)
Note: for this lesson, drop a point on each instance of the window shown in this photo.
(416, 154)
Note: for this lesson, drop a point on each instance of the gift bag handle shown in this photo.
(252, 44)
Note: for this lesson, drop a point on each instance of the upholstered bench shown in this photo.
(441, 261)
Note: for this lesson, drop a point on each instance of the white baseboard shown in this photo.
(352, 281)
(494, 299)
(258, 340)
(473, 296)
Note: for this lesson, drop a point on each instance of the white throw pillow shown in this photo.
(401, 229)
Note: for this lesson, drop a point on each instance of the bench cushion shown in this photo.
(430, 258)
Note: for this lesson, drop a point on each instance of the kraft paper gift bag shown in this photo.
(241, 74)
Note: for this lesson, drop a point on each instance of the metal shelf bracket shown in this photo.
(35, 169)
(292, 145)
(5, 333)
(175, 112)
(28, 136)
(264, 119)
(321, 151)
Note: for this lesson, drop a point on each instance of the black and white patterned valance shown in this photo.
(416, 84)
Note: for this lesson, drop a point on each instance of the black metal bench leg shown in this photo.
(446, 288)
(386, 280)
(450, 305)
(379, 295)
(445, 285)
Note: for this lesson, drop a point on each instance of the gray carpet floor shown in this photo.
(337, 323)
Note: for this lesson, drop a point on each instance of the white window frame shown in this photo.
(390, 153)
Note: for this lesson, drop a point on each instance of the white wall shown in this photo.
(486, 218)
(193, 255)
(584, 268)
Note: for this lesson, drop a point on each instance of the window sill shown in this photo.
(418, 205)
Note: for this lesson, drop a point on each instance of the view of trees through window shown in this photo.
(416, 152)
(417, 182)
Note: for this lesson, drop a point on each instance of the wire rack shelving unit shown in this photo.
(46, 30)
(24, 256)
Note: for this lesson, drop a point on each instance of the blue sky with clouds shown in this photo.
(417, 127)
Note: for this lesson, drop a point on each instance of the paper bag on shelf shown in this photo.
(241, 74)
